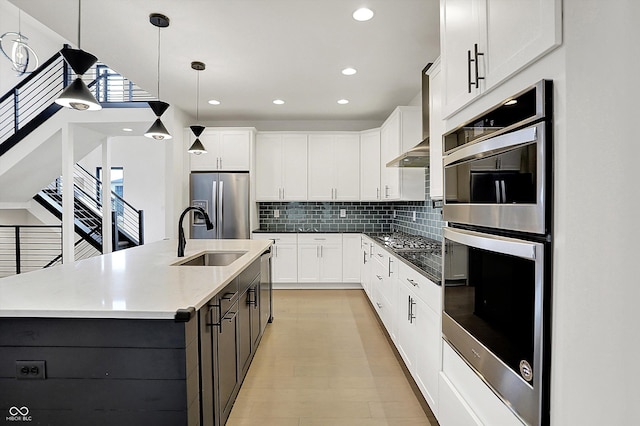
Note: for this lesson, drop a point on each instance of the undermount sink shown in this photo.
(213, 258)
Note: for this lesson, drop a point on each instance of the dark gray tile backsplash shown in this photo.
(360, 216)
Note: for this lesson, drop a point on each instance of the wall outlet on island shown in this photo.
(414, 216)
(276, 213)
(343, 213)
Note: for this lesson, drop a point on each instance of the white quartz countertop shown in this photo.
(138, 282)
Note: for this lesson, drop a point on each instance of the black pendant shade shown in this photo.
(157, 131)
(79, 60)
(77, 94)
(158, 107)
(196, 147)
(197, 130)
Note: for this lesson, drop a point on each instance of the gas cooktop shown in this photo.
(400, 242)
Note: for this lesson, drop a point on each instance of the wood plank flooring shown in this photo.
(325, 361)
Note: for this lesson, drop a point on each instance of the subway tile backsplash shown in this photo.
(360, 217)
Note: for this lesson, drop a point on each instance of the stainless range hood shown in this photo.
(418, 156)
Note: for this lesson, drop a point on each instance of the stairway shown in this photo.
(127, 221)
(30, 136)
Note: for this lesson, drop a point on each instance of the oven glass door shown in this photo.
(499, 182)
(494, 318)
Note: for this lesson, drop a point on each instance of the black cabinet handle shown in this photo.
(469, 83)
(476, 54)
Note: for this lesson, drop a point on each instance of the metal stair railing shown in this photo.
(129, 219)
(32, 101)
(88, 195)
(25, 248)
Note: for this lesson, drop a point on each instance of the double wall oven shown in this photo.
(497, 185)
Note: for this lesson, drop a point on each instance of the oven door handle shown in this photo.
(494, 243)
(495, 144)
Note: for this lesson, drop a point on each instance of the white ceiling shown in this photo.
(259, 50)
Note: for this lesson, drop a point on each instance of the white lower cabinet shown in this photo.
(284, 256)
(351, 255)
(465, 399)
(320, 258)
(418, 330)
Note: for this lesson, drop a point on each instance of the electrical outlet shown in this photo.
(394, 214)
(343, 213)
(276, 213)
(30, 370)
(414, 216)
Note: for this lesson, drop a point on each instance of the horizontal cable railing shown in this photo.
(25, 248)
(32, 101)
(129, 219)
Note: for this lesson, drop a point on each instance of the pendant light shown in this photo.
(157, 130)
(77, 95)
(196, 147)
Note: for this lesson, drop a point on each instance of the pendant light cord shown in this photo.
(197, 97)
(158, 63)
(79, 20)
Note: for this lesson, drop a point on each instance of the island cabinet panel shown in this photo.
(101, 371)
(227, 343)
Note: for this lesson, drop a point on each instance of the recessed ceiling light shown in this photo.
(363, 14)
(214, 102)
(343, 101)
(126, 129)
(278, 102)
(349, 71)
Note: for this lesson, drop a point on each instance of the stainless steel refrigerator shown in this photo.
(225, 197)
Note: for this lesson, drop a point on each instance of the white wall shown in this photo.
(143, 160)
(41, 39)
(596, 280)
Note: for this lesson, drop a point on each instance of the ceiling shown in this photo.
(256, 51)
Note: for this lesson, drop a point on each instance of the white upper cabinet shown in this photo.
(370, 165)
(399, 133)
(484, 42)
(334, 167)
(228, 150)
(281, 167)
(436, 130)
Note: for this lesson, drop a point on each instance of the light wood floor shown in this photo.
(325, 361)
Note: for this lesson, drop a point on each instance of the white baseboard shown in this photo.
(317, 286)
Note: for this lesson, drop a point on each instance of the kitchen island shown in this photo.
(132, 337)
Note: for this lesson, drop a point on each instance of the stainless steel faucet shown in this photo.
(182, 241)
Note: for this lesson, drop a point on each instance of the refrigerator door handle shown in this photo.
(214, 207)
(220, 210)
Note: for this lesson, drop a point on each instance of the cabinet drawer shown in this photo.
(424, 288)
(227, 297)
(320, 239)
(285, 238)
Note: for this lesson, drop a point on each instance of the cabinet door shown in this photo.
(322, 167)
(227, 358)
(244, 331)
(309, 263)
(285, 263)
(406, 327)
(351, 258)
(518, 33)
(235, 146)
(426, 364)
(269, 167)
(294, 167)
(211, 160)
(390, 148)
(331, 263)
(436, 130)
(370, 166)
(346, 157)
(459, 32)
